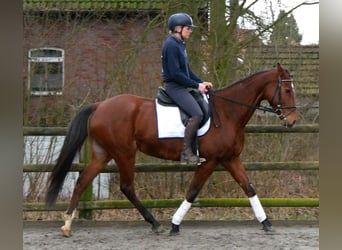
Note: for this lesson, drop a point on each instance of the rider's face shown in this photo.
(186, 31)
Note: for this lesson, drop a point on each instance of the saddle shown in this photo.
(164, 100)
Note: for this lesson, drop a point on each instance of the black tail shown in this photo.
(74, 139)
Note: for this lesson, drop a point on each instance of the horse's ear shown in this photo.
(280, 68)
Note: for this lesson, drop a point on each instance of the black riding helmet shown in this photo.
(180, 19)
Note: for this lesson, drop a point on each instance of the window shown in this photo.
(46, 71)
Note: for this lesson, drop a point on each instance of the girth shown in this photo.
(164, 99)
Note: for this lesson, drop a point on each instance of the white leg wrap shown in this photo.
(180, 213)
(68, 220)
(257, 208)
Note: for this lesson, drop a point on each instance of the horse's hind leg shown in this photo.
(238, 172)
(126, 169)
(97, 163)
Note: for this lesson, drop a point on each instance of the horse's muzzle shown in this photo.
(286, 123)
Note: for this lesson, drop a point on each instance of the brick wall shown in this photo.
(102, 56)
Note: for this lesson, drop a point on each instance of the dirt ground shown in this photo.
(193, 235)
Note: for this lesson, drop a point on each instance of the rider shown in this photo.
(178, 78)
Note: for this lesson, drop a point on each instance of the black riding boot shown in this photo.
(190, 133)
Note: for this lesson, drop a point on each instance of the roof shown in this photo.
(96, 5)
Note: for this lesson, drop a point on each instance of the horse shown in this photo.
(119, 126)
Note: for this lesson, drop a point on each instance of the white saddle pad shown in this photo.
(169, 123)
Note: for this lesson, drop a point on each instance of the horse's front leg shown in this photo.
(238, 172)
(200, 177)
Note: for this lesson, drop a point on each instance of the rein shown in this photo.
(259, 107)
(278, 111)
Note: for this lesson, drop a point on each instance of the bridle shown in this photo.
(279, 107)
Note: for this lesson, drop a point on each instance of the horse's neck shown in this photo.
(241, 98)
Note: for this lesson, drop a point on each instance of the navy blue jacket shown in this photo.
(175, 65)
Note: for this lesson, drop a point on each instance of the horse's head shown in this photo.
(282, 97)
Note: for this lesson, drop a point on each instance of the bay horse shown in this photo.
(120, 126)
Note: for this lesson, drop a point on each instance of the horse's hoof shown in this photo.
(267, 226)
(158, 229)
(174, 230)
(267, 229)
(66, 232)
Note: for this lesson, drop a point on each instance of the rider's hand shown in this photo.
(204, 86)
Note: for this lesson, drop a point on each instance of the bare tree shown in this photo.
(228, 38)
